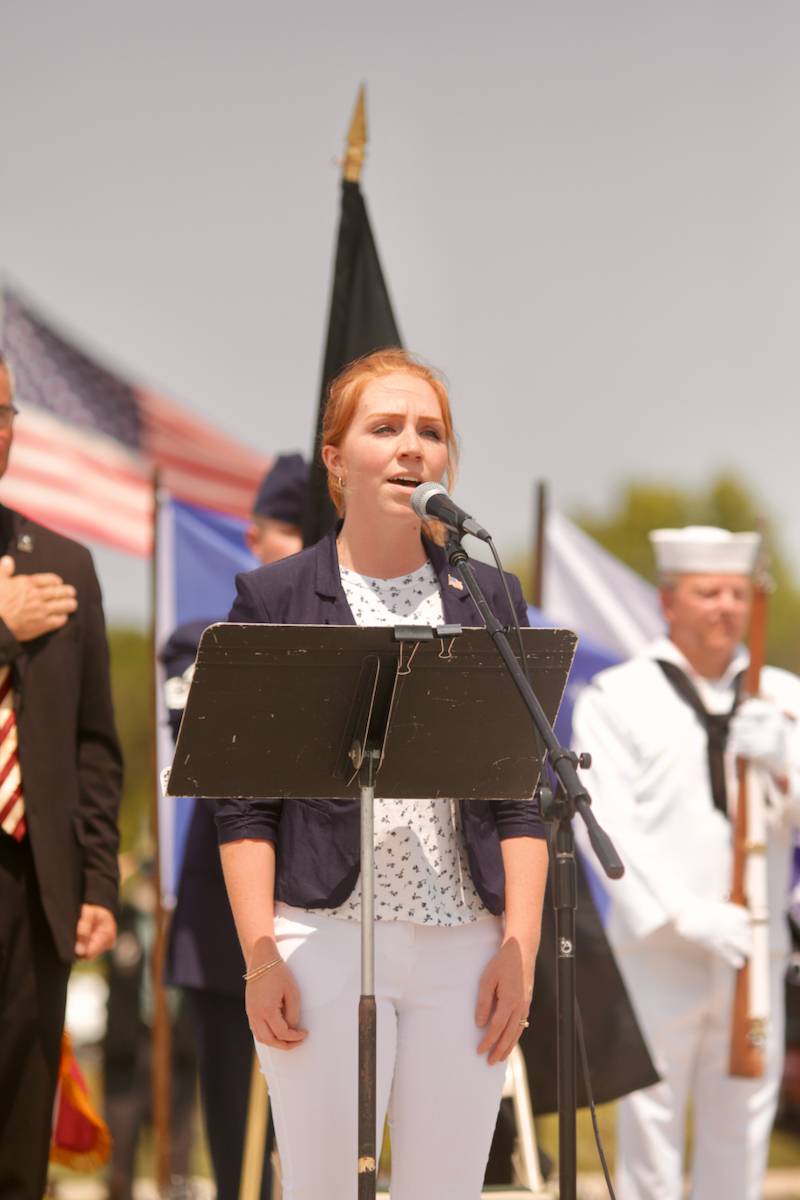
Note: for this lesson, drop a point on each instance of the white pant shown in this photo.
(442, 1096)
(683, 997)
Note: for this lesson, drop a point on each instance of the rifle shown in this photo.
(749, 887)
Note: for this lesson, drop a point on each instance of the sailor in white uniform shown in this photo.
(664, 730)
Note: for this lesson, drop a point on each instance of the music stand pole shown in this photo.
(367, 1042)
(572, 797)
(565, 903)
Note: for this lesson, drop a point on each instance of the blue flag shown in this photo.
(199, 552)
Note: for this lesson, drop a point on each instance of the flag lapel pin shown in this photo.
(456, 583)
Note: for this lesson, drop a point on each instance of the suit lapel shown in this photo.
(24, 547)
(456, 600)
(14, 527)
(7, 517)
(328, 584)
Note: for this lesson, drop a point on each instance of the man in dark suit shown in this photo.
(204, 956)
(60, 782)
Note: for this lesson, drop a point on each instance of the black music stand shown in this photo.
(302, 712)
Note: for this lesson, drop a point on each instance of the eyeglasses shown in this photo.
(7, 414)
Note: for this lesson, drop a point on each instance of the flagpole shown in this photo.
(319, 514)
(161, 1044)
(540, 518)
(255, 1139)
(356, 140)
(360, 321)
(360, 315)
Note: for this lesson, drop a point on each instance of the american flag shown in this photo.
(86, 443)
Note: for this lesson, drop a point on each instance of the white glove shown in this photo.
(722, 928)
(176, 688)
(761, 732)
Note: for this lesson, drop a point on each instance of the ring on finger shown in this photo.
(524, 1024)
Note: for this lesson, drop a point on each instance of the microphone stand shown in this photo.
(569, 797)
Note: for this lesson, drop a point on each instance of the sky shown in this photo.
(587, 216)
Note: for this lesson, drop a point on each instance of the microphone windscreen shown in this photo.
(422, 494)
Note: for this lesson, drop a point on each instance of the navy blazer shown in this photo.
(318, 842)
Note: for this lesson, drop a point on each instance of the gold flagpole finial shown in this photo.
(356, 140)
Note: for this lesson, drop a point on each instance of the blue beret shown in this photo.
(283, 490)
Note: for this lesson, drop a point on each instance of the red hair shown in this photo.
(349, 386)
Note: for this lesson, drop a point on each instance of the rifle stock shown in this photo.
(748, 1032)
(746, 1059)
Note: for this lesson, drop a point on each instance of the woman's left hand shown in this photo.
(504, 998)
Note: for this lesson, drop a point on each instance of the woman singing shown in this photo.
(458, 886)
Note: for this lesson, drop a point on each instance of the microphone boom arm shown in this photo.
(571, 797)
(563, 762)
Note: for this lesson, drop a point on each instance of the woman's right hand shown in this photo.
(272, 1002)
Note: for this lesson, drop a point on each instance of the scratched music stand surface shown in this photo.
(329, 712)
(271, 712)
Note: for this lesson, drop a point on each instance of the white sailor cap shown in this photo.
(701, 549)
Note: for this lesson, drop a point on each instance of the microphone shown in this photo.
(431, 500)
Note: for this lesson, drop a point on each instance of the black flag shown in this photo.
(361, 320)
(619, 1060)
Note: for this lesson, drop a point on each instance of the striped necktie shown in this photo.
(12, 804)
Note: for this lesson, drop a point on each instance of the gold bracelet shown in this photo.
(257, 972)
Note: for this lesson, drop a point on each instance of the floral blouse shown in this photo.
(421, 871)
